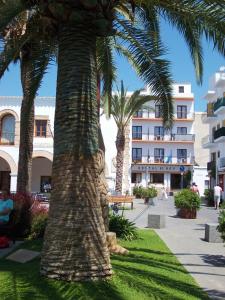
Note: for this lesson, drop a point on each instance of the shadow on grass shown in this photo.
(143, 274)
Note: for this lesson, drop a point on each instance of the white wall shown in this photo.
(40, 167)
(200, 175)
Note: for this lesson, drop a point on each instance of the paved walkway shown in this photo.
(185, 238)
(4, 252)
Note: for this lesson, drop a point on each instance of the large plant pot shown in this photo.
(187, 213)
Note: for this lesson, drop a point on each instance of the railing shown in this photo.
(219, 133)
(167, 159)
(221, 163)
(219, 103)
(208, 139)
(7, 138)
(168, 137)
(151, 115)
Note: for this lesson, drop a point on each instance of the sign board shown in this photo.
(159, 168)
(182, 169)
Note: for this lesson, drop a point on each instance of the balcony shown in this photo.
(209, 115)
(151, 137)
(219, 135)
(167, 159)
(219, 106)
(221, 164)
(208, 142)
(211, 165)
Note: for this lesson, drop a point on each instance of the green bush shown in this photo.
(221, 227)
(149, 192)
(187, 199)
(123, 228)
(38, 225)
(138, 191)
(209, 196)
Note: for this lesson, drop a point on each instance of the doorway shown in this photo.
(175, 181)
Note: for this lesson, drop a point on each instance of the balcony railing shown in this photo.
(219, 103)
(167, 159)
(221, 164)
(151, 115)
(211, 165)
(219, 133)
(169, 137)
(7, 138)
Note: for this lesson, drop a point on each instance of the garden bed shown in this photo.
(150, 271)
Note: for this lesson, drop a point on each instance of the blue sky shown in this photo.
(181, 68)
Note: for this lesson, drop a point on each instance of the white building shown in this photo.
(200, 174)
(162, 157)
(215, 117)
(43, 143)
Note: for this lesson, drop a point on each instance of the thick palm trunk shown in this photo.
(26, 131)
(75, 242)
(120, 145)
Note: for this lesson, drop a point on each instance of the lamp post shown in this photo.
(182, 180)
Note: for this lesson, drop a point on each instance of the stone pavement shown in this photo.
(4, 252)
(185, 238)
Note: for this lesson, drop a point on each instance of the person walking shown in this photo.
(194, 188)
(217, 194)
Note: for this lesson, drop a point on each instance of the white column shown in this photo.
(13, 182)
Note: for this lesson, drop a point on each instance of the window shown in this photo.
(181, 155)
(137, 132)
(138, 114)
(41, 128)
(181, 130)
(159, 132)
(213, 156)
(218, 154)
(137, 154)
(181, 89)
(213, 133)
(8, 130)
(158, 111)
(156, 178)
(136, 177)
(159, 155)
(182, 111)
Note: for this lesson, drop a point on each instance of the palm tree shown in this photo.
(122, 110)
(18, 43)
(75, 242)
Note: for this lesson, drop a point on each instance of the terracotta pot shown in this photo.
(187, 213)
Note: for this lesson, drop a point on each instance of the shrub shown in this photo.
(138, 191)
(22, 206)
(209, 196)
(39, 217)
(38, 225)
(149, 192)
(221, 227)
(187, 199)
(123, 228)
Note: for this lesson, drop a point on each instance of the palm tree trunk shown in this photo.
(120, 145)
(75, 246)
(26, 131)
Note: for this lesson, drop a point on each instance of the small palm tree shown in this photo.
(122, 109)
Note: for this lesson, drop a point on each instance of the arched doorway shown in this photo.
(4, 175)
(41, 174)
(8, 129)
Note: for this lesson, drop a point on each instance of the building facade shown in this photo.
(159, 156)
(200, 174)
(215, 139)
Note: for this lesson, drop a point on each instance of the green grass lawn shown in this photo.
(150, 271)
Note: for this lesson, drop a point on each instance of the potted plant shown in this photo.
(149, 193)
(209, 196)
(187, 203)
(138, 191)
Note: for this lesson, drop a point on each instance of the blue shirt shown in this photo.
(7, 204)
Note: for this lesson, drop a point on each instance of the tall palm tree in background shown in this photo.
(19, 43)
(75, 243)
(122, 109)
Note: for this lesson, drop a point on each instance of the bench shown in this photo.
(122, 199)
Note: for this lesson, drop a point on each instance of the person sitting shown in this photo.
(6, 206)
